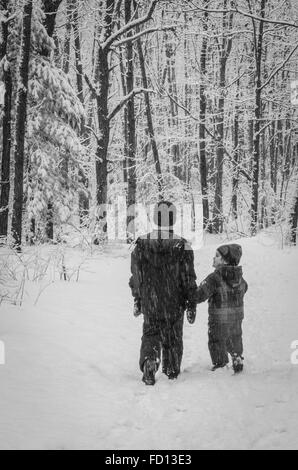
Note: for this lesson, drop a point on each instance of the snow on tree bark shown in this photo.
(294, 219)
(257, 121)
(83, 196)
(21, 115)
(149, 118)
(6, 123)
(224, 52)
(202, 124)
(131, 126)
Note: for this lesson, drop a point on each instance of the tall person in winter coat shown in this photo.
(163, 284)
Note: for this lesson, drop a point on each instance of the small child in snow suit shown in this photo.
(225, 289)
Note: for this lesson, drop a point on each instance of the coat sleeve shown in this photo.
(136, 273)
(206, 289)
(188, 277)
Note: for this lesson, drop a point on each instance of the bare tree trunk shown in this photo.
(263, 212)
(251, 141)
(149, 119)
(6, 126)
(280, 151)
(286, 160)
(273, 162)
(65, 68)
(173, 115)
(83, 198)
(294, 219)
(288, 163)
(102, 79)
(103, 125)
(257, 123)
(123, 83)
(188, 146)
(202, 129)
(78, 57)
(66, 45)
(235, 179)
(50, 8)
(131, 128)
(225, 49)
(218, 209)
(21, 115)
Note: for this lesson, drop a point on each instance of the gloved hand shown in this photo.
(137, 307)
(191, 314)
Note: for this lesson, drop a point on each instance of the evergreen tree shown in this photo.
(54, 125)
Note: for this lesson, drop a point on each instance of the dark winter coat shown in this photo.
(224, 289)
(163, 277)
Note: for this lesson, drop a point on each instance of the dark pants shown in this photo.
(165, 337)
(224, 338)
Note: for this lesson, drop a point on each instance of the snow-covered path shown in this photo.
(71, 378)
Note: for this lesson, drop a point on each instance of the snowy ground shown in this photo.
(71, 378)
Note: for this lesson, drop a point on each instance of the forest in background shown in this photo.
(182, 100)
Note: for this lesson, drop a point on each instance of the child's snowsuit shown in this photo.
(224, 289)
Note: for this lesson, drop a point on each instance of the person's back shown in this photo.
(226, 302)
(163, 269)
(163, 284)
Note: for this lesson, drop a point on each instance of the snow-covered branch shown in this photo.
(130, 25)
(279, 67)
(91, 86)
(244, 13)
(126, 98)
(141, 33)
(93, 132)
(214, 137)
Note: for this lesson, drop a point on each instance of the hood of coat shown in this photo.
(232, 275)
(158, 245)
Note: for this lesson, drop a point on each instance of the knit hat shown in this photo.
(164, 214)
(231, 253)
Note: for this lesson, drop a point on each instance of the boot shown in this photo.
(172, 375)
(237, 363)
(218, 366)
(149, 372)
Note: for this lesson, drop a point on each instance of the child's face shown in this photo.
(218, 260)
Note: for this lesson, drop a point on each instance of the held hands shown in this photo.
(137, 308)
(191, 314)
(190, 311)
